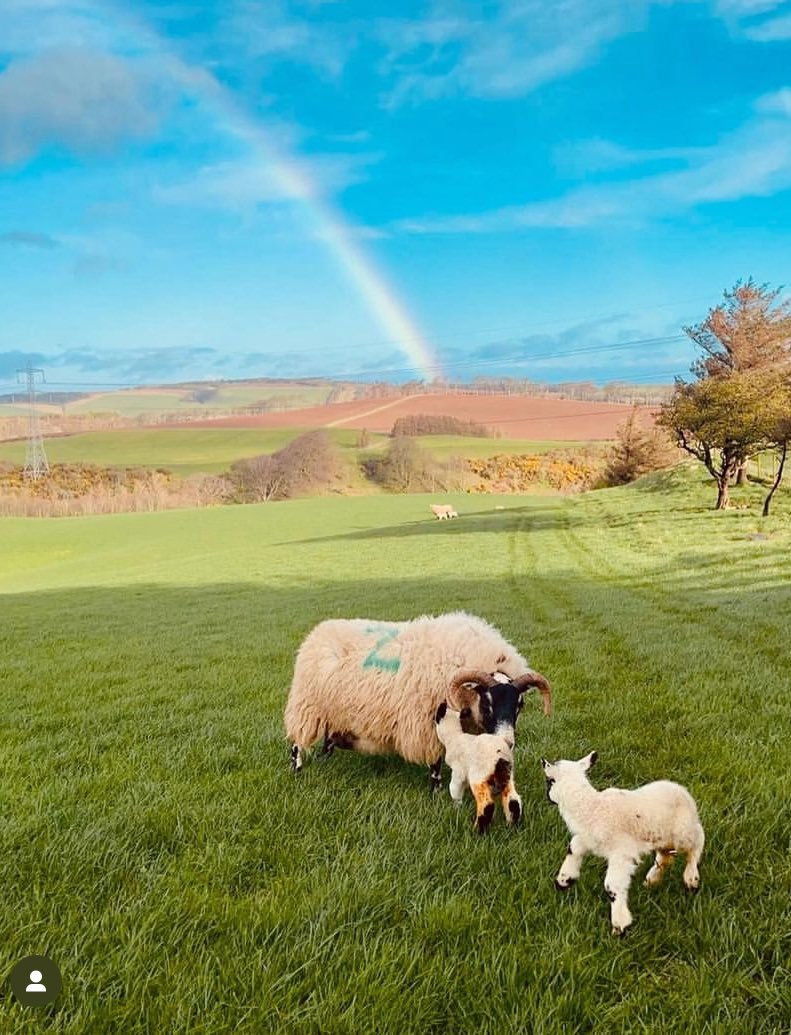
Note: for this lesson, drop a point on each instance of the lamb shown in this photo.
(622, 826)
(375, 686)
(443, 511)
(484, 763)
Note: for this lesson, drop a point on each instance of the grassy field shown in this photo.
(154, 844)
(181, 450)
(134, 403)
(191, 450)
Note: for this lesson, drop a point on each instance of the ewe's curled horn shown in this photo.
(476, 676)
(542, 685)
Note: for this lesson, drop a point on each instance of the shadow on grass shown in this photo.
(541, 516)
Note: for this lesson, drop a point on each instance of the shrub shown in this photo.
(439, 424)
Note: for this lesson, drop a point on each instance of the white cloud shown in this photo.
(753, 161)
(250, 182)
(525, 44)
(772, 30)
(84, 100)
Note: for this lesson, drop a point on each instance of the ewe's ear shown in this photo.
(588, 760)
(441, 712)
(545, 764)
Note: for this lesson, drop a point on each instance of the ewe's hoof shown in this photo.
(563, 887)
(693, 889)
(619, 932)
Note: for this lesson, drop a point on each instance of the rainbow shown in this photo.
(294, 180)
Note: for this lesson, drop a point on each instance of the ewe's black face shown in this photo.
(506, 705)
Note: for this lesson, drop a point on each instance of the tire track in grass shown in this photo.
(709, 638)
(661, 733)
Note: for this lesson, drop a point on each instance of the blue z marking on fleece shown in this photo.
(374, 660)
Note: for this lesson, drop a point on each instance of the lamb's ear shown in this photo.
(441, 712)
(588, 760)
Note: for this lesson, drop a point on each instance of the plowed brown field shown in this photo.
(514, 416)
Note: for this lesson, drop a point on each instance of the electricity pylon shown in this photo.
(36, 463)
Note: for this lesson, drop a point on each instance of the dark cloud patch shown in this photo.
(139, 365)
(84, 100)
(15, 360)
(27, 239)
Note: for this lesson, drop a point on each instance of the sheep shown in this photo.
(484, 763)
(443, 511)
(622, 826)
(375, 686)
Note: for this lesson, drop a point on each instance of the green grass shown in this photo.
(181, 450)
(132, 404)
(154, 844)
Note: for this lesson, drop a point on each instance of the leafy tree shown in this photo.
(782, 437)
(723, 421)
(749, 330)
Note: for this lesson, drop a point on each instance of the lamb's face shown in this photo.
(565, 773)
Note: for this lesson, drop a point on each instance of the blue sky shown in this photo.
(244, 188)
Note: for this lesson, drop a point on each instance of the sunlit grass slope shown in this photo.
(155, 845)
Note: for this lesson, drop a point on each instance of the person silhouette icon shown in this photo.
(35, 982)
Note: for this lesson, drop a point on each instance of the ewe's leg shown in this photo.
(484, 805)
(691, 875)
(296, 759)
(512, 803)
(663, 859)
(458, 784)
(620, 870)
(572, 864)
(435, 774)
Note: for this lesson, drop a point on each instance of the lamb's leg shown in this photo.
(458, 784)
(620, 870)
(691, 875)
(435, 774)
(663, 859)
(484, 805)
(572, 864)
(512, 803)
(296, 759)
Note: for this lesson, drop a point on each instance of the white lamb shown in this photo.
(443, 511)
(484, 762)
(622, 826)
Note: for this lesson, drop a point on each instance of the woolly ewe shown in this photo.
(375, 686)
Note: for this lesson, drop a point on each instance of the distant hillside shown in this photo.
(512, 416)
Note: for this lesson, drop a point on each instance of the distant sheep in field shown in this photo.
(375, 686)
(621, 827)
(484, 763)
(443, 511)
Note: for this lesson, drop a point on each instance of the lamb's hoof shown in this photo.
(693, 889)
(619, 932)
(563, 887)
(514, 812)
